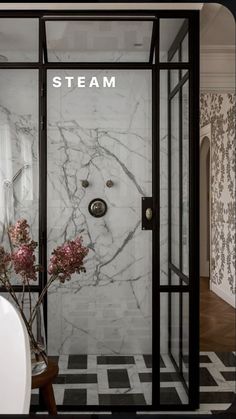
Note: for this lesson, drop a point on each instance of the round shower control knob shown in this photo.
(109, 183)
(97, 207)
(85, 183)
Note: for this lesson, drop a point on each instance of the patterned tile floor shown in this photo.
(127, 380)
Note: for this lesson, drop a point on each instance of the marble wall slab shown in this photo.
(96, 135)
(18, 149)
(163, 182)
(101, 134)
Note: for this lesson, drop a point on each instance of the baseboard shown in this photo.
(230, 299)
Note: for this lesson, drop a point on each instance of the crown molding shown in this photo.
(217, 68)
(217, 49)
(217, 83)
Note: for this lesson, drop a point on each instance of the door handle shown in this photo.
(148, 214)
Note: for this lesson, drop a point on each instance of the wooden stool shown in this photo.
(44, 383)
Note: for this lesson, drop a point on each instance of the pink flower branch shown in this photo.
(66, 260)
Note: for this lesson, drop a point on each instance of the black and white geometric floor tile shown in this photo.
(127, 380)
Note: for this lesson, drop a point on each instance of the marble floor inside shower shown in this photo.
(127, 380)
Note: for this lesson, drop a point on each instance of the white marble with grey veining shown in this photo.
(94, 134)
(18, 149)
(101, 134)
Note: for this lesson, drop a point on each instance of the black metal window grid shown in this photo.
(187, 284)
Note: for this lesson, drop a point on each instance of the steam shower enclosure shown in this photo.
(99, 136)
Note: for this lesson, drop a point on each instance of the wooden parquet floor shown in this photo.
(217, 321)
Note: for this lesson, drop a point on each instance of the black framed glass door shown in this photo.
(178, 172)
(103, 317)
(181, 269)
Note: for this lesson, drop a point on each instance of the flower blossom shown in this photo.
(19, 233)
(5, 259)
(68, 259)
(24, 262)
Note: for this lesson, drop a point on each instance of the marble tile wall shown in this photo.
(163, 181)
(100, 134)
(94, 134)
(18, 149)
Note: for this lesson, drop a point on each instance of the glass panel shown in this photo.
(18, 151)
(170, 306)
(102, 134)
(184, 49)
(99, 41)
(185, 331)
(185, 178)
(175, 57)
(169, 29)
(175, 280)
(175, 326)
(174, 78)
(163, 326)
(184, 53)
(175, 175)
(163, 177)
(18, 40)
(183, 72)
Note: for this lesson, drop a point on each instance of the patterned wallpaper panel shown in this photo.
(219, 111)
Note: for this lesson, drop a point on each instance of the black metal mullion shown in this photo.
(145, 65)
(44, 42)
(19, 288)
(180, 218)
(40, 119)
(155, 248)
(100, 65)
(169, 211)
(170, 14)
(156, 224)
(154, 41)
(194, 211)
(174, 288)
(94, 18)
(19, 65)
(42, 171)
(114, 65)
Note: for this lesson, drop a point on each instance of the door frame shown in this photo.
(206, 132)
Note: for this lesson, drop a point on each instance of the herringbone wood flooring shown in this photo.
(217, 321)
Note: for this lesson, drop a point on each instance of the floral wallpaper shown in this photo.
(219, 111)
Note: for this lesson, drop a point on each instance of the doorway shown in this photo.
(205, 208)
(217, 317)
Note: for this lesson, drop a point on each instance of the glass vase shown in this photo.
(37, 338)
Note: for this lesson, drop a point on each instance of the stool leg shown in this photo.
(49, 399)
